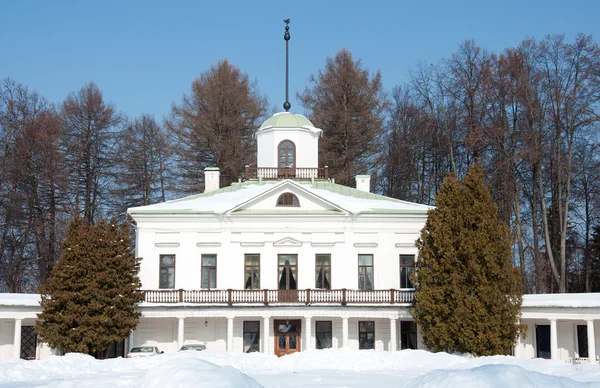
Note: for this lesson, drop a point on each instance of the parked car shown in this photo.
(196, 347)
(143, 351)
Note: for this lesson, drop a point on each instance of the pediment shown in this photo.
(287, 242)
(307, 202)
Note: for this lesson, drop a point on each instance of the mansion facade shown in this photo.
(286, 260)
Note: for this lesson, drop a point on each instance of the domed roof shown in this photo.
(288, 120)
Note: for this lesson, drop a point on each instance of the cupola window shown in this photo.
(287, 154)
(288, 199)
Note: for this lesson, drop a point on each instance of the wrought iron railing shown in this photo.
(307, 297)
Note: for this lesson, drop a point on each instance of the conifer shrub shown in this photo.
(90, 299)
(468, 294)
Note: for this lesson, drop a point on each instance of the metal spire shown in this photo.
(286, 104)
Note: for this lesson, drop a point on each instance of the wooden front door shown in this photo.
(287, 337)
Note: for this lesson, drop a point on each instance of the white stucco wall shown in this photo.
(306, 143)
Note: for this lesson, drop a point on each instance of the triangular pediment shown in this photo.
(267, 202)
(287, 242)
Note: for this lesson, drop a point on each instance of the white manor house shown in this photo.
(287, 260)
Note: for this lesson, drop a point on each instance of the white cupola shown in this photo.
(288, 140)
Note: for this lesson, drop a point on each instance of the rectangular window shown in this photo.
(366, 335)
(408, 335)
(324, 334)
(582, 341)
(365, 272)
(251, 336)
(407, 268)
(323, 272)
(251, 272)
(288, 272)
(167, 271)
(209, 271)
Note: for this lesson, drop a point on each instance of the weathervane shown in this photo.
(286, 104)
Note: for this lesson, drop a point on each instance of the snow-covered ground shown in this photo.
(324, 368)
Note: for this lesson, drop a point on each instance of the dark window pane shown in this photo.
(292, 342)
(282, 342)
(582, 341)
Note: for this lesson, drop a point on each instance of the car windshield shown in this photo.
(144, 349)
(193, 347)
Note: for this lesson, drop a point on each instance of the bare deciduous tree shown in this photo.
(214, 125)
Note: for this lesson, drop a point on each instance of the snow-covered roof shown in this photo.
(229, 198)
(284, 120)
(21, 300)
(562, 300)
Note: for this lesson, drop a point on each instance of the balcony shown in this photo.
(320, 173)
(341, 297)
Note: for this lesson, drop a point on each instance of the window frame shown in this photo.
(202, 269)
(292, 148)
(405, 281)
(167, 267)
(366, 267)
(322, 286)
(256, 269)
(408, 336)
(289, 276)
(245, 331)
(330, 323)
(366, 335)
(288, 197)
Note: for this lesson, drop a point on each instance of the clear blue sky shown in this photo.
(145, 54)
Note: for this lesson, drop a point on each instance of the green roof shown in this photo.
(287, 120)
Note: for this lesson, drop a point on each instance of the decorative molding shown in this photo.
(252, 244)
(166, 245)
(287, 242)
(322, 244)
(405, 245)
(366, 245)
(208, 244)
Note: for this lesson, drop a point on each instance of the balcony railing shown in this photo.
(306, 297)
(286, 173)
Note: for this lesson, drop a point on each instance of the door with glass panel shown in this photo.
(287, 337)
(288, 278)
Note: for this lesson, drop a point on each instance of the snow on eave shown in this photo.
(20, 300)
(589, 300)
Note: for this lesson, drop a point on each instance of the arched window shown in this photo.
(288, 199)
(287, 154)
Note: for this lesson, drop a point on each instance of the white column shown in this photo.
(17, 340)
(517, 349)
(265, 347)
(553, 340)
(344, 332)
(180, 332)
(307, 333)
(229, 334)
(591, 341)
(393, 334)
(399, 335)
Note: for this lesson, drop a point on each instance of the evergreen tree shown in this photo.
(90, 299)
(468, 294)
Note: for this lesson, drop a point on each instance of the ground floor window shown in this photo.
(251, 336)
(28, 342)
(582, 341)
(366, 335)
(542, 341)
(324, 334)
(408, 335)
